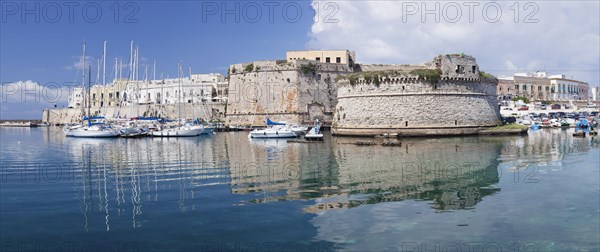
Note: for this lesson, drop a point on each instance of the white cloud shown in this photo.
(564, 37)
(78, 63)
(27, 99)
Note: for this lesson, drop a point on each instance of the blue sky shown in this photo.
(561, 37)
(166, 31)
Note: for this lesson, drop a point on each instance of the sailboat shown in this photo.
(96, 127)
(182, 129)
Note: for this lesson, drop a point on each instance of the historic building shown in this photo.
(540, 86)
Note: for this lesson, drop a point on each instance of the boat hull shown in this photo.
(177, 133)
(272, 134)
(92, 134)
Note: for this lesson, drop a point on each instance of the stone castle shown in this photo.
(447, 96)
(296, 91)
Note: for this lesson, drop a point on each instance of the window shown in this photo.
(539, 88)
(338, 60)
(517, 87)
(328, 60)
(318, 58)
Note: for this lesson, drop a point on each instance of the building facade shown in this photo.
(345, 57)
(197, 88)
(540, 86)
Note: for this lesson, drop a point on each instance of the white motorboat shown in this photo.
(276, 131)
(315, 133)
(273, 130)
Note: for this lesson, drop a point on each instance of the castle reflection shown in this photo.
(453, 173)
(123, 177)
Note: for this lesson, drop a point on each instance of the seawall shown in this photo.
(213, 111)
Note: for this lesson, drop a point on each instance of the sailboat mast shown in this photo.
(104, 65)
(98, 71)
(137, 63)
(83, 100)
(89, 94)
(116, 69)
(154, 71)
(131, 60)
(179, 93)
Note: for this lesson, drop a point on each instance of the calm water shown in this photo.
(523, 193)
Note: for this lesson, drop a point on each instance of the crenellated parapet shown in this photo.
(444, 97)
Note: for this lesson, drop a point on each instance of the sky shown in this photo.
(41, 42)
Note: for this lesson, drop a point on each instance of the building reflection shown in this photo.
(454, 173)
(118, 179)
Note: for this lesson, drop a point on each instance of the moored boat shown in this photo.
(315, 133)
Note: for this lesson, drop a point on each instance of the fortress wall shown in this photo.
(282, 90)
(417, 108)
(208, 111)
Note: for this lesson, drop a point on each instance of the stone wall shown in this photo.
(297, 92)
(461, 102)
(207, 111)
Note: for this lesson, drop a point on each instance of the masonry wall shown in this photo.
(207, 111)
(408, 106)
(283, 91)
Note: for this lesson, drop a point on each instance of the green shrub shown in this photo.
(484, 74)
(249, 67)
(430, 75)
(309, 68)
(523, 98)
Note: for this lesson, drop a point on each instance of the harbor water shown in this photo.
(224, 192)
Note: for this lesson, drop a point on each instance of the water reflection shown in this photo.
(452, 173)
(126, 178)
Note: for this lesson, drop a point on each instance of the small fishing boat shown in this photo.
(582, 123)
(315, 133)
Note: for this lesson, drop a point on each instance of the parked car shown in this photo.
(509, 119)
(522, 108)
(555, 106)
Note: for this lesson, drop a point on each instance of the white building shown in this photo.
(594, 94)
(195, 89)
(568, 90)
(76, 98)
